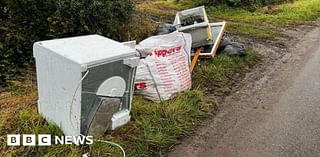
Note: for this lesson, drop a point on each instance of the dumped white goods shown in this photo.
(85, 83)
(190, 21)
(165, 70)
(205, 35)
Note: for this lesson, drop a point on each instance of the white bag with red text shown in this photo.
(165, 70)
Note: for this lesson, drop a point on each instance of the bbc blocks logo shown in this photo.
(47, 140)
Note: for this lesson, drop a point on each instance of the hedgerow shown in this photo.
(22, 22)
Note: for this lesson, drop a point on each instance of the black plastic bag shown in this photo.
(232, 48)
(165, 29)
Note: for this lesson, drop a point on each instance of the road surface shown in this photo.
(283, 119)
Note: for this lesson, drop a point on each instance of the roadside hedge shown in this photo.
(22, 22)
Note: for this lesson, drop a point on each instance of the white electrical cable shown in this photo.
(115, 144)
(70, 112)
(111, 143)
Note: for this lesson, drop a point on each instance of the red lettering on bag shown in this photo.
(165, 52)
(140, 86)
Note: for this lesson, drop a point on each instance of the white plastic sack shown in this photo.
(165, 71)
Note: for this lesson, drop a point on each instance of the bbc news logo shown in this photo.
(46, 140)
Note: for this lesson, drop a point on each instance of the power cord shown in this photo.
(115, 144)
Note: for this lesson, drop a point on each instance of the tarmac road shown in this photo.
(293, 126)
(285, 123)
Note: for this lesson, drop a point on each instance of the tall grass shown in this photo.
(152, 130)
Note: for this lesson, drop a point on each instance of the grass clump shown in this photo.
(217, 75)
(28, 121)
(156, 127)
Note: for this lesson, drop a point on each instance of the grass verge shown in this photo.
(153, 129)
(219, 75)
(264, 23)
(268, 21)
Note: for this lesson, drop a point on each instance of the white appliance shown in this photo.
(200, 31)
(85, 83)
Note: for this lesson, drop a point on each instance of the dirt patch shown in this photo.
(248, 99)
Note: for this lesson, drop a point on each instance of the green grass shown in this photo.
(267, 22)
(28, 121)
(153, 129)
(282, 15)
(253, 30)
(218, 75)
(264, 23)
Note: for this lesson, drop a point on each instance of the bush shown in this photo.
(78, 17)
(25, 21)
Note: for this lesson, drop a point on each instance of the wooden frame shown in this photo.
(195, 59)
(217, 41)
